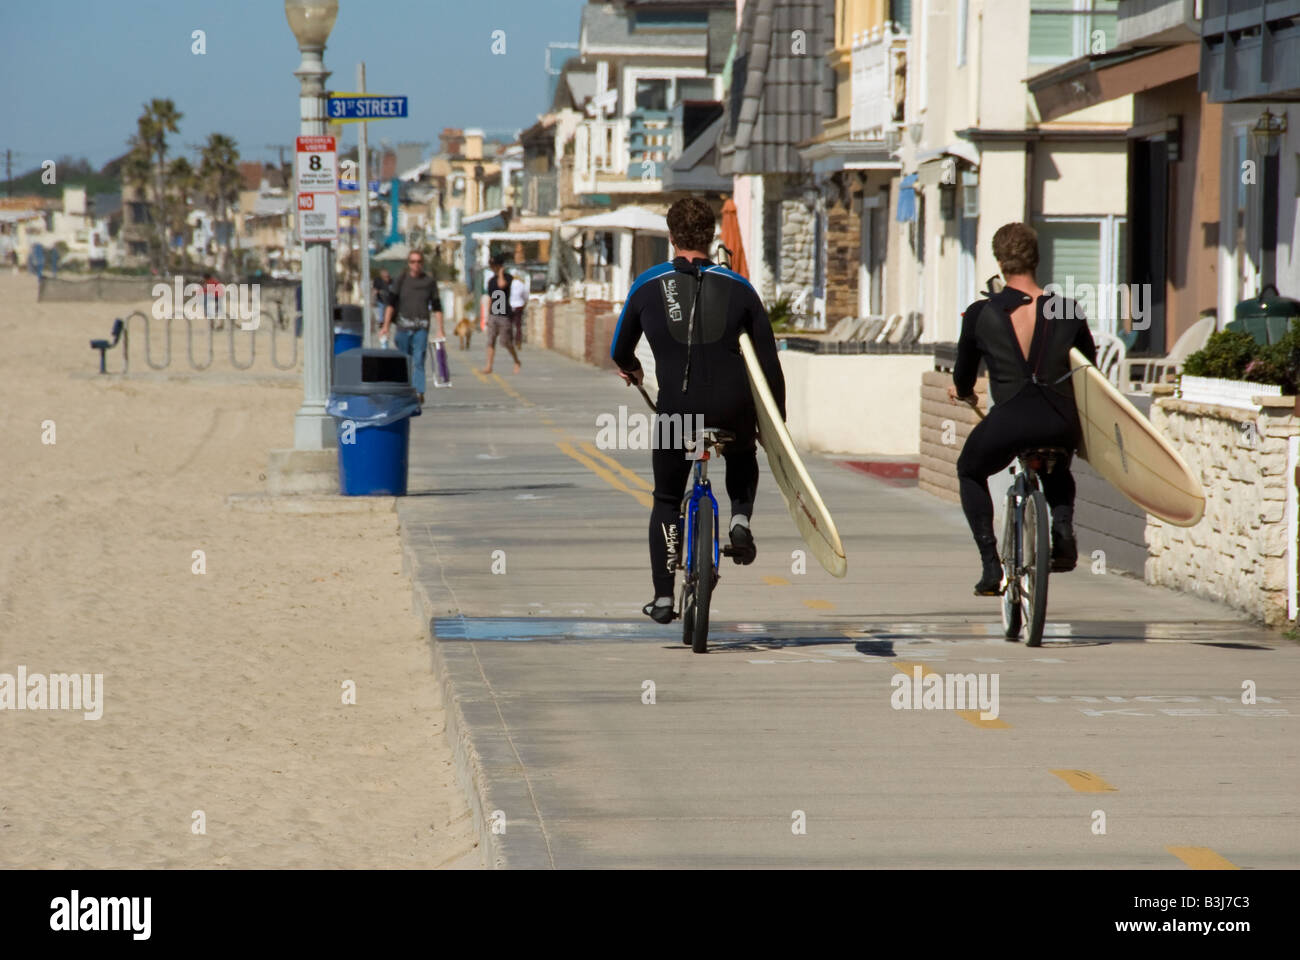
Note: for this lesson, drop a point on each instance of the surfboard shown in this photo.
(1121, 445)
(803, 501)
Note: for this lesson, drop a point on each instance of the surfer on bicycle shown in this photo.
(1024, 337)
(692, 311)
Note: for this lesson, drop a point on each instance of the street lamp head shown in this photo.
(1268, 132)
(311, 21)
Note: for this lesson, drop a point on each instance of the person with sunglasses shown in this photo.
(413, 299)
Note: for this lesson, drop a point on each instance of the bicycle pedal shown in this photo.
(728, 551)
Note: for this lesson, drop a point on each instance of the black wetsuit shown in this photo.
(1033, 400)
(660, 305)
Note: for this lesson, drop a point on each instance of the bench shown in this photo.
(103, 346)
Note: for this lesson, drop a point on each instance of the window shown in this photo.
(1087, 255)
(652, 94)
(900, 11)
(695, 88)
(1061, 30)
(670, 20)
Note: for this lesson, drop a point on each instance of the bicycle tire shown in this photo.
(1035, 567)
(702, 561)
(1011, 619)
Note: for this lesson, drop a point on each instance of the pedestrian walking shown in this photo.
(501, 291)
(413, 299)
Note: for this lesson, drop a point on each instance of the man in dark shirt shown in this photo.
(692, 312)
(1024, 337)
(414, 297)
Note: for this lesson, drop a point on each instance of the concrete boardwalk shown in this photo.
(1131, 710)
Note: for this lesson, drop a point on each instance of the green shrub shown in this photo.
(1226, 355)
(780, 315)
(1234, 355)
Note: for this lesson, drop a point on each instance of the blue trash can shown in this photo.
(347, 327)
(373, 402)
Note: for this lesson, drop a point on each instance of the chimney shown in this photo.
(474, 144)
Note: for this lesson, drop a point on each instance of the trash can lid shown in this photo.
(1266, 306)
(348, 318)
(370, 370)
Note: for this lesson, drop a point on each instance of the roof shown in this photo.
(778, 96)
(697, 167)
(609, 28)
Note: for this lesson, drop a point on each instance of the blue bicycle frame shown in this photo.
(701, 489)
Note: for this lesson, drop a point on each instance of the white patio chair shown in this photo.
(1158, 369)
(1111, 354)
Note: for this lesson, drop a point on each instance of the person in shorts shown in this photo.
(500, 315)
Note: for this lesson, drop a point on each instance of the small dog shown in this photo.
(464, 329)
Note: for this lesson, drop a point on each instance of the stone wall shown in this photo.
(1237, 554)
(796, 253)
(944, 428)
(843, 256)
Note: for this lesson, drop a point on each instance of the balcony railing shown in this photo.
(538, 194)
(1156, 22)
(877, 83)
(623, 154)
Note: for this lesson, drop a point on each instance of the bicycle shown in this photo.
(699, 553)
(1026, 549)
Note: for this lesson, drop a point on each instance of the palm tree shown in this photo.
(181, 182)
(220, 181)
(160, 118)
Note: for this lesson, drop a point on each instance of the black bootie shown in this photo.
(990, 583)
(1065, 551)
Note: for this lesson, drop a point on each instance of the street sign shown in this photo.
(317, 181)
(360, 107)
(348, 175)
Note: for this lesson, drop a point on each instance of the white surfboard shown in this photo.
(801, 496)
(1121, 445)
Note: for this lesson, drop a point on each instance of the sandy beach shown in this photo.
(222, 691)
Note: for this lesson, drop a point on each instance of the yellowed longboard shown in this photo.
(1121, 445)
(801, 496)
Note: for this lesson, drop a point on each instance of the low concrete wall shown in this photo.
(854, 404)
(944, 427)
(1237, 554)
(109, 288)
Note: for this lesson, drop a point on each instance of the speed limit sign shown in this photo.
(317, 186)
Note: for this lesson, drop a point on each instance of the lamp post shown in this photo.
(313, 428)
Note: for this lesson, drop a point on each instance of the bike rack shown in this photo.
(278, 327)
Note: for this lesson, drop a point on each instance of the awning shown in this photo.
(906, 199)
(961, 149)
(630, 217)
(1091, 80)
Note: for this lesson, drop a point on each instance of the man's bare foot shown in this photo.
(486, 371)
(516, 366)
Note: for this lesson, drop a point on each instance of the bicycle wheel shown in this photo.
(702, 562)
(1034, 568)
(1011, 595)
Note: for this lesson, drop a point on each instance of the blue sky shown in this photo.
(76, 73)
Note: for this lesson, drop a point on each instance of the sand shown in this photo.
(223, 691)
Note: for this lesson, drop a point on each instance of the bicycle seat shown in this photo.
(1036, 457)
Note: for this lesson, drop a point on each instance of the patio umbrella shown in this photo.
(731, 238)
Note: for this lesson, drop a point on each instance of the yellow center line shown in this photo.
(776, 581)
(641, 497)
(819, 604)
(1202, 858)
(615, 465)
(970, 716)
(511, 390)
(483, 378)
(1084, 781)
